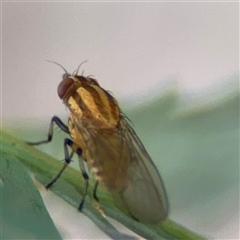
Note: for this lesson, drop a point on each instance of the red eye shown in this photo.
(63, 87)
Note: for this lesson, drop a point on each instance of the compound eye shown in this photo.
(63, 87)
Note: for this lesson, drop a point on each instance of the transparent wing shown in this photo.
(145, 196)
(107, 156)
(120, 162)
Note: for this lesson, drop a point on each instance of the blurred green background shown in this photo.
(195, 147)
(190, 125)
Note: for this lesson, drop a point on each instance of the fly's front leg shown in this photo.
(59, 123)
(74, 147)
(64, 128)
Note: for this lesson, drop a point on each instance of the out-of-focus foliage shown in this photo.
(196, 151)
(197, 154)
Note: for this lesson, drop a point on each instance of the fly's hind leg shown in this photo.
(96, 205)
(95, 191)
(84, 174)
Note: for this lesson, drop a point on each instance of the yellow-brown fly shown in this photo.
(102, 137)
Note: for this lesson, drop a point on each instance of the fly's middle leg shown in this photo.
(69, 143)
(67, 160)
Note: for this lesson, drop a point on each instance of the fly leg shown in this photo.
(85, 176)
(68, 157)
(69, 143)
(96, 205)
(59, 123)
(75, 148)
(95, 191)
(67, 160)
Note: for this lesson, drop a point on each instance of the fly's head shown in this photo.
(89, 102)
(71, 83)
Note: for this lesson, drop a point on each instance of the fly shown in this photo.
(102, 138)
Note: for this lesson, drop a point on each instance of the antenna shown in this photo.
(59, 66)
(77, 70)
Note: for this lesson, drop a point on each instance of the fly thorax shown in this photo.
(95, 106)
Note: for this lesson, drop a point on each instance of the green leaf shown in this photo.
(24, 215)
(16, 153)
